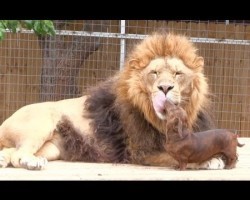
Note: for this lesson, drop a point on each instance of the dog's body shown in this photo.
(201, 146)
(187, 147)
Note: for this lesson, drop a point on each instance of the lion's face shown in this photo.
(167, 79)
(163, 67)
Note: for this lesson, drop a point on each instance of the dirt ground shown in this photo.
(60, 170)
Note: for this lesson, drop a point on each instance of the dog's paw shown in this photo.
(33, 163)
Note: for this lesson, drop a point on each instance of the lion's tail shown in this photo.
(77, 147)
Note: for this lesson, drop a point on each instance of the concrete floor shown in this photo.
(60, 170)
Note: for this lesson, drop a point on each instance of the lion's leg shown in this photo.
(161, 159)
(5, 156)
(50, 151)
(183, 165)
(24, 155)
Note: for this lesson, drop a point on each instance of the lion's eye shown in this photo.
(154, 72)
(178, 73)
(152, 76)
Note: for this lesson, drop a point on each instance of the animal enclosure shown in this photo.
(85, 52)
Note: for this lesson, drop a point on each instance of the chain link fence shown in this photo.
(85, 52)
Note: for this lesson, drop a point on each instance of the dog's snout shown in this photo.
(165, 88)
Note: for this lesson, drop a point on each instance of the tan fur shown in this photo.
(29, 137)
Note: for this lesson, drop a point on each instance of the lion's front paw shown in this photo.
(4, 162)
(214, 163)
(33, 163)
(27, 160)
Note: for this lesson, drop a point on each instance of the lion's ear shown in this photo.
(199, 61)
(133, 63)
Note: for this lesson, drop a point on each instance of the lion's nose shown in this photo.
(165, 88)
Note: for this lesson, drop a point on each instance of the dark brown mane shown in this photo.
(204, 121)
(142, 137)
(107, 126)
(76, 146)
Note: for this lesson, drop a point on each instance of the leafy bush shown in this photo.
(40, 27)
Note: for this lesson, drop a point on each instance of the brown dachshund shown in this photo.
(187, 147)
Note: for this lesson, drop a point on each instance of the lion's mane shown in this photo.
(125, 127)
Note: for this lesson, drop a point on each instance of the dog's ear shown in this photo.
(166, 134)
(180, 128)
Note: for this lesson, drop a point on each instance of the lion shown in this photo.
(122, 120)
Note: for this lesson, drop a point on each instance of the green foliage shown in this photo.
(40, 27)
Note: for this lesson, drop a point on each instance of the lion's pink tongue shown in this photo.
(158, 102)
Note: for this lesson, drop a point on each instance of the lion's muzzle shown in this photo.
(165, 88)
